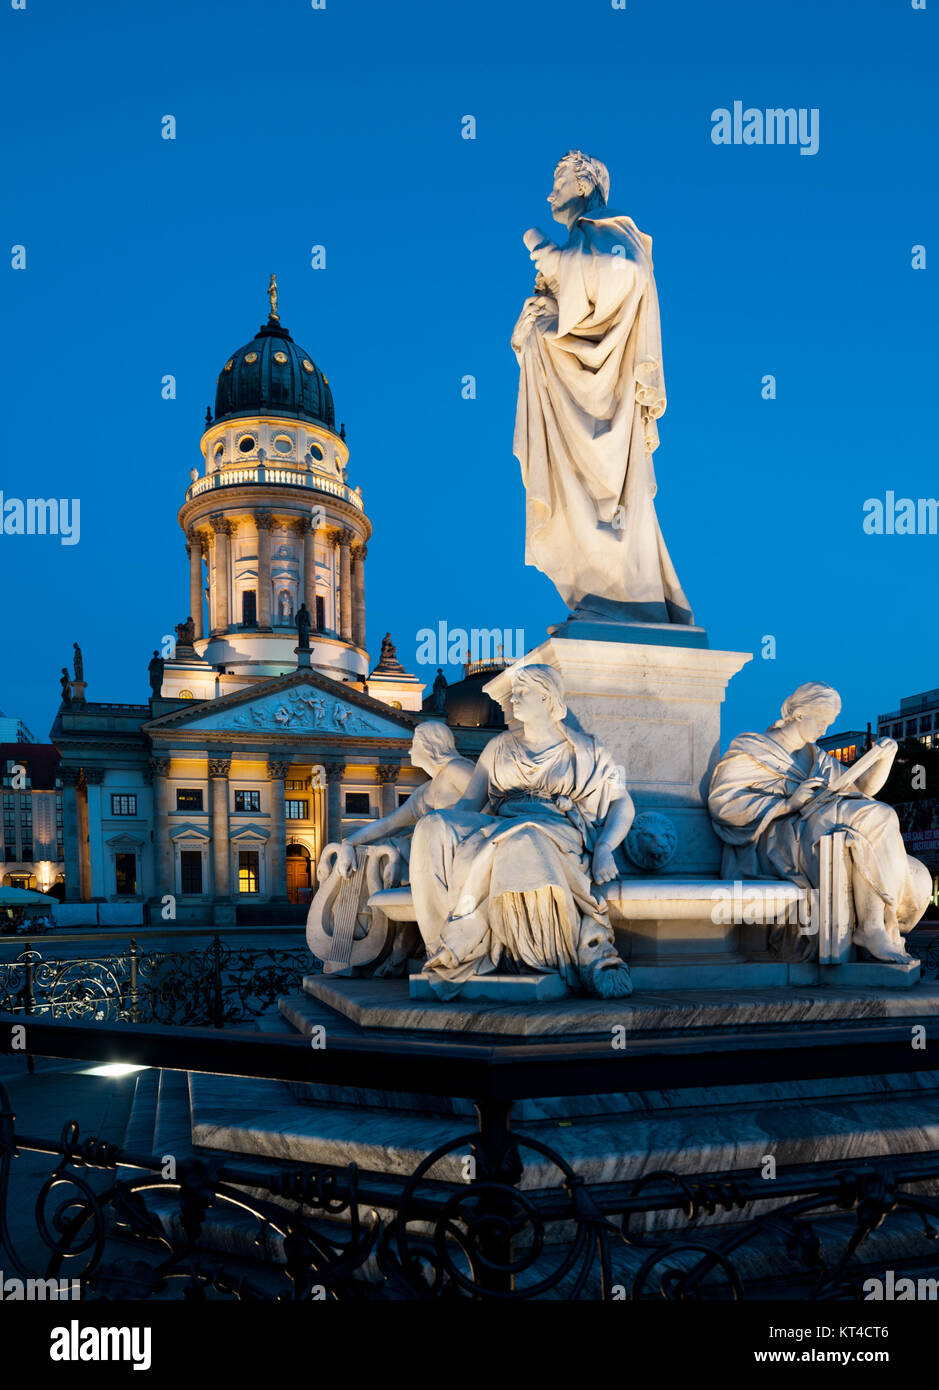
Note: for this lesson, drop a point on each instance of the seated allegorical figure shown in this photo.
(773, 796)
(433, 750)
(512, 886)
(376, 856)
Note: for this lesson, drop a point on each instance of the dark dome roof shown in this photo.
(466, 704)
(271, 375)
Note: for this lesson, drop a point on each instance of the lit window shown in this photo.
(247, 801)
(189, 799)
(247, 871)
(123, 805)
(297, 810)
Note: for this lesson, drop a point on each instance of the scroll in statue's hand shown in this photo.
(531, 309)
(603, 867)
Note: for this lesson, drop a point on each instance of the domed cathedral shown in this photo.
(265, 737)
(272, 524)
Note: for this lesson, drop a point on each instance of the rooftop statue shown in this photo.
(591, 390)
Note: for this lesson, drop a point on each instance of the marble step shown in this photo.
(138, 1135)
(302, 1013)
(232, 1114)
(384, 1005)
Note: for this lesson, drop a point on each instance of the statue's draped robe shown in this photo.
(513, 887)
(590, 392)
(756, 774)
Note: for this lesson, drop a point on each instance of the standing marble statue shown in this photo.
(773, 796)
(514, 885)
(591, 389)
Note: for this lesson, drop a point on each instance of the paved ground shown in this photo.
(43, 1103)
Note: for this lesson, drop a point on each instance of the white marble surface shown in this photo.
(385, 1004)
(657, 710)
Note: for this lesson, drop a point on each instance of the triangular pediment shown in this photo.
(303, 703)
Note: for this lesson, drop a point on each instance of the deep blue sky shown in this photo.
(342, 127)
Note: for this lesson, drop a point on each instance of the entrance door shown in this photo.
(298, 874)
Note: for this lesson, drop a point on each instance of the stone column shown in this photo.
(70, 833)
(345, 539)
(335, 771)
(307, 539)
(194, 550)
(219, 768)
(388, 774)
(359, 554)
(265, 524)
(277, 771)
(223, 530)
(163, 866)
(98, 887)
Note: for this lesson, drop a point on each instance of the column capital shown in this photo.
(93, 776)
(159, 766)
(221, 524)
(264, 521)
(277, 768)
(220, 765)
(302, 525)
(389, 772)
(69, 776)
(345, 536)
(360, 552)
(335, 769)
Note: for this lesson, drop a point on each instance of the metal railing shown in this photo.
(221, 984)
(467, 1222)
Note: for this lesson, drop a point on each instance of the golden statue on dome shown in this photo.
(272, 296)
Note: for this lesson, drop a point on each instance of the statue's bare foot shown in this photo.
(610, 979)
(878, 941)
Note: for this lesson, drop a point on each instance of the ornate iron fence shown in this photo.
(336, 1232)
(217, 985)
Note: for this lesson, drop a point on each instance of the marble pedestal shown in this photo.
(656, 708)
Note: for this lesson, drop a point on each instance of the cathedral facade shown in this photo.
(260, 743)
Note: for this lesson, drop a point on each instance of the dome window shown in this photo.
(219, 452)
(251, 357)
(246, 443)
(280, 357)
(283, 444)
(317, 452)
(186, 695)
(307, 365)
(228, 364)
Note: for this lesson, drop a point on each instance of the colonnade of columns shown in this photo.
(215, 547)
(218, 879)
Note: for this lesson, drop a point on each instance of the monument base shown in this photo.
(656, 709)
(597, 629)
